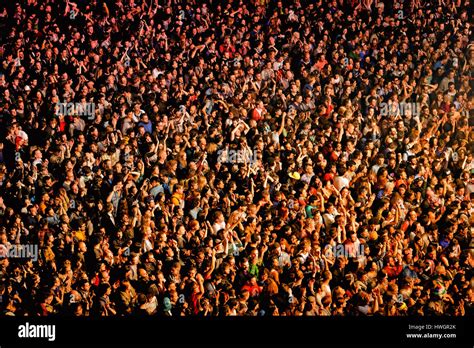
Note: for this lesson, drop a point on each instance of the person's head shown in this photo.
(84, 285)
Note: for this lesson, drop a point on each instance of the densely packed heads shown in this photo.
(236, 157)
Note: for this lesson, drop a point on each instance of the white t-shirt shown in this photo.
(340, 182)
(218, 226)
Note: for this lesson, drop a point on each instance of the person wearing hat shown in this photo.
(294, 175)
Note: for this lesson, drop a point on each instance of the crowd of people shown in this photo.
(236, 158)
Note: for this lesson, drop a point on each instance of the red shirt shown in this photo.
(254, 290)
(393, 271)
(257, 114)
(195, 303)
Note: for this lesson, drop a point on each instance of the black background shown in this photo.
(238, 331)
